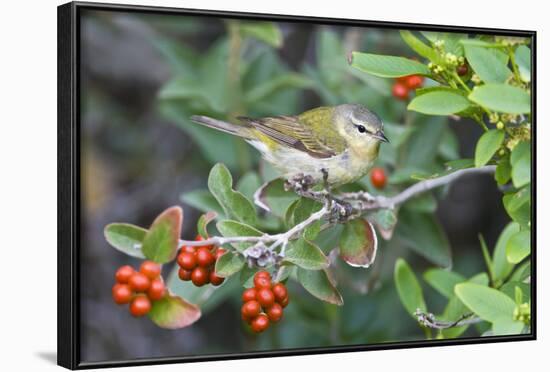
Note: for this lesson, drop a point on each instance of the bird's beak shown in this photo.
(380, 135)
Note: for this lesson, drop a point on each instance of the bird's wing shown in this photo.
(298, 132)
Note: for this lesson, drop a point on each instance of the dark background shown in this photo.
(136, 162)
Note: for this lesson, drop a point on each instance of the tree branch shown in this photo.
(429, 320)
(346, 206)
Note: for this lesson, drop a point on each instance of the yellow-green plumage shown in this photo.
(344, 140)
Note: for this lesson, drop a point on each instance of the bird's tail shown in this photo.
(237, 130)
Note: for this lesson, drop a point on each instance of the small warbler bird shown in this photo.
(341, 141)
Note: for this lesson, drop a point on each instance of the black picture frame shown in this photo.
(68, 320)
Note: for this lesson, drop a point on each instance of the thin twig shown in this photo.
(429, 320)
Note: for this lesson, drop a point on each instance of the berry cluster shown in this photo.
(138, 288)
(197, 264)
(378, 177)
(266, 296)
(404, 84)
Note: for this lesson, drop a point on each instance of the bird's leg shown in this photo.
(340, 209)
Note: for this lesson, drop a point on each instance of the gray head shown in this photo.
(360, 121)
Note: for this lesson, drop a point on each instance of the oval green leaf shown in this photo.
(439, 102)
(234, 203)
(488, 303)
(173, 312)
(486, 64)
(408, 288)
(358, 243)
(518, 246)
(487, 146)
(317, 283)
(126, 238)
(160, 244)
(306, 255)
(228, 264)
(387, 66)
(502, 98)
(501, 267)
(443, 281)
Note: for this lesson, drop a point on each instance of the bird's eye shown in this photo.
(361, 129)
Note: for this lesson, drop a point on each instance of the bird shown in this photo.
(332, 144)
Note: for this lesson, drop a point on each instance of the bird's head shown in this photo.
(362, 128)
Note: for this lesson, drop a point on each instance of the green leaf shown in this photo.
(518, 246)
(455, 308)
(202, 200)
(408, 288)
(506, 326)
(443, 281)
(487, 146)
(521, 164)
(522, 215)
(522, 272)
(248, 184)
(387, 66)
(439, 103)
(503, 171)
(172, 312)
(268, 32)
(126, 238)
(233, 202)
(488, 303)
(385, 221)
(517, 291)
(306, 255)
(486, 64)
(317, 283)
(358, 243)
(275, 198)
(203, 222)
(501, 267)
(523, 60)
(160, 243)
(230, 228)
(423, 234)
(502, 98)
(228, 264)
(302, 211)
(520, 198)
(419, 47)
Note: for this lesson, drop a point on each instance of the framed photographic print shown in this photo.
(236, 185)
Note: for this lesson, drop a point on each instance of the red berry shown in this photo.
(264, 274)
(378, 178)
(140, 305)
(280, 292)
(157, 290)
(251, 309)
(275, 312)
(188, 248)
(124, 273)
(151, 269)
(400, 91)
(122, 293)
(260, 323)
(265, 297)
(219, 252)
(139, 282)
(284, 302)
(205, 258)
(200, 276)
(249, 295)
(187, 260)
(184, 274)
(214, 279)
(414, 81)
(262, 279)
(462, 70)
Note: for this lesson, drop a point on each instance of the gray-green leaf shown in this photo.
(487, 146)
